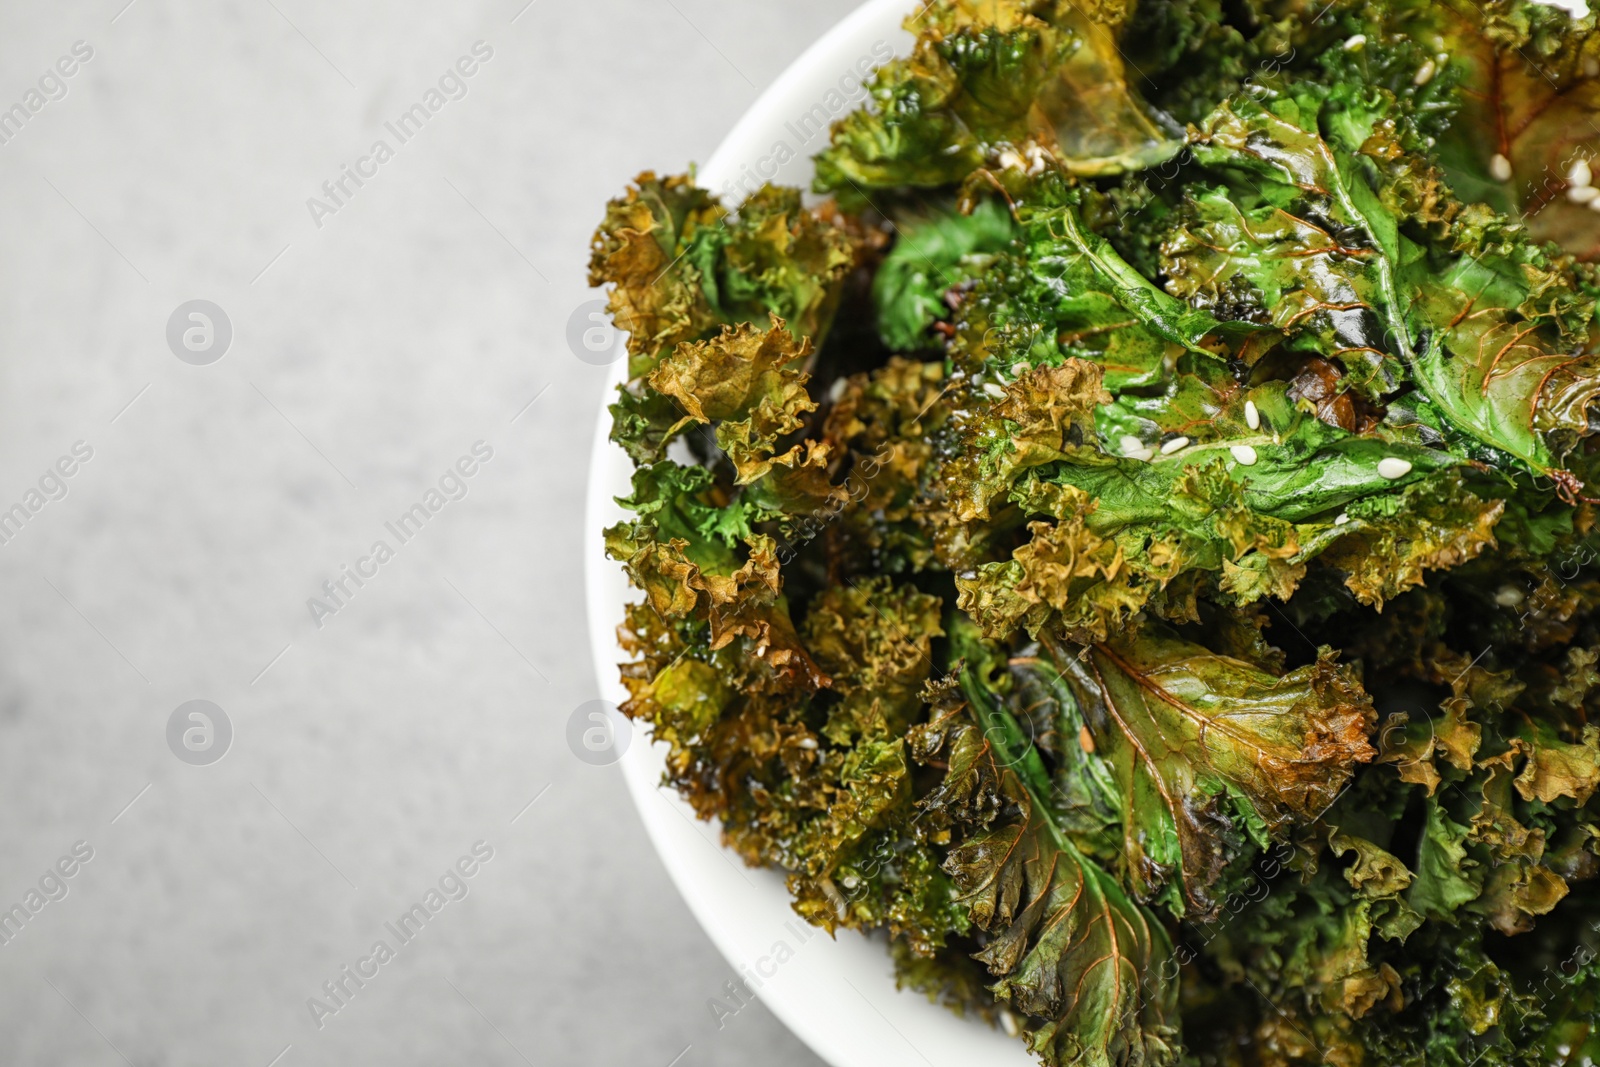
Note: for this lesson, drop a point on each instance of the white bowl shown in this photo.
(839, 995)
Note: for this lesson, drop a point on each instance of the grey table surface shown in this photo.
(374, 340)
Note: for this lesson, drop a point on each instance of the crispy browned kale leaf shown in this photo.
(1135, 544)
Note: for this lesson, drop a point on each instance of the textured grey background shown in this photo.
(368, 354)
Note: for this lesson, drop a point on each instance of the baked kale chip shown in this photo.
(1129, 533)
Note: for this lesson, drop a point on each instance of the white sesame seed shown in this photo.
(991, 389)
(1009, 159)
(1579, 173)
(1177, 444)
(1252, 415)
(1133, 448)
(1594, 205)
(1244, 454)
(1354, 42)
(1582, 194)
(836, 390)
(1019, 369)
(1342, 519)
(808, 742)
(1392, 467)
(1500, 168)
(1508, 596)
(1425, 74)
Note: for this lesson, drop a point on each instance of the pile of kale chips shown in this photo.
(1131, 540)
